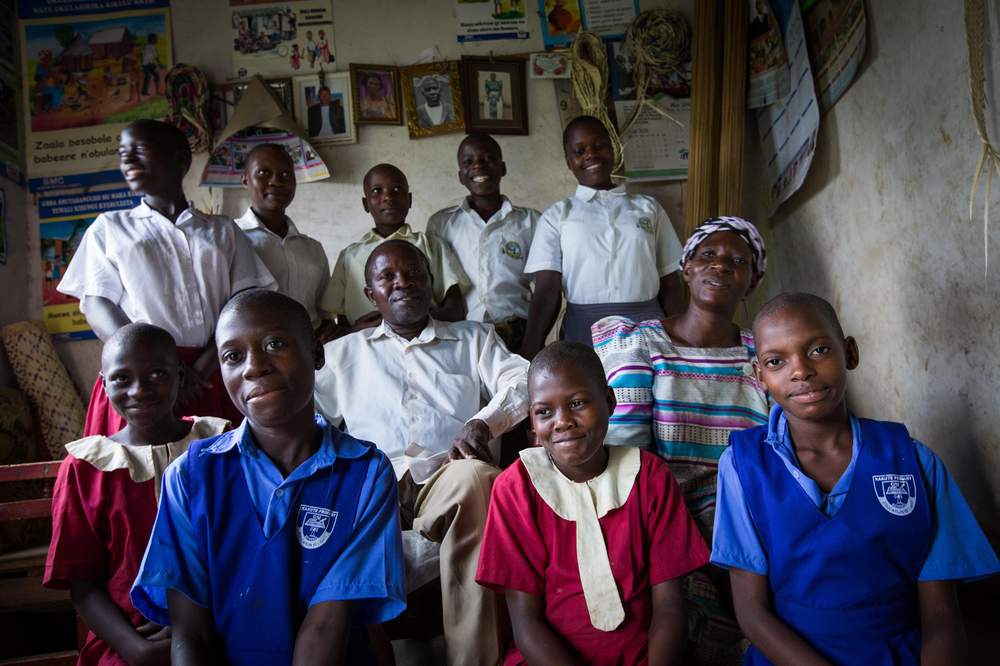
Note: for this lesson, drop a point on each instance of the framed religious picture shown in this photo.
(494, 95)
(323, 107)
(433, 96)
(376, 94)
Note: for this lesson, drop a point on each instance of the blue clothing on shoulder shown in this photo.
(843, 567)
(258, 550)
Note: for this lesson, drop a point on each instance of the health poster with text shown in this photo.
(86, 73)
(64, 219)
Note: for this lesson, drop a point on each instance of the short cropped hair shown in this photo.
(579, 121)
(484, 139)
(139, 334)
(381, 248)
(563, 353)
(384, 166)
(273, 302)
(166, 136)
(800, 301)
(259, 148)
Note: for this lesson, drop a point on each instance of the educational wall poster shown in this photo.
(3, 229)
(10, 144)
(491, 19)
(656, 144)
(562, 19)
(281, 38)
(769, 75)
(788, 128)
(64, 218)
(85, 77)
(836, 37)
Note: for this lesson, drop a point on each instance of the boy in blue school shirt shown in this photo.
(273, 539)
(843, 536)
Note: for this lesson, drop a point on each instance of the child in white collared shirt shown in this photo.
(609, 252)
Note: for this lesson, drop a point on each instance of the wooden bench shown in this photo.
(21, 571)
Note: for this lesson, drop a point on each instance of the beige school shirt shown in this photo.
(345, 293)
(493, 253)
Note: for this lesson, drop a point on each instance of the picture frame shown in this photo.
(494, 95)
(380, 104)
(225, 96)
(337, 128)
(422, 86)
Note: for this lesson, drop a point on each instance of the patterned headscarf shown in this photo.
(743, 228)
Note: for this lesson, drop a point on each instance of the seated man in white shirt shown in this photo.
(297, 262)
(416, 387)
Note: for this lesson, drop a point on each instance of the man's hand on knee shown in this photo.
(472, 442)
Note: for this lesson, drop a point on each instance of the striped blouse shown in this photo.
(680, 402)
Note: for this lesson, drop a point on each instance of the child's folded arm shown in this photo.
(534, 637)
(667, 624)
(369, 571)
(942, 634)
(735, 541)
(103, 617)
(172, 563)
(775, 639)
(194, 641)
(322, 637)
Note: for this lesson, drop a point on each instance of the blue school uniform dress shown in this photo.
(258, 550)
(843, 566)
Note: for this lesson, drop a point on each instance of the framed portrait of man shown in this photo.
(494, 95)
(433, 95)
(323, 106)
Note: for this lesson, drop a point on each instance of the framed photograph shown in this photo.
(549, 66)
(376, 94)
(226, 96)
(433, 96)
(494, 95)
(323, 108)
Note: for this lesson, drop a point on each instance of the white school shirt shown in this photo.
(175, 276)
(493, 254)
(297, 262)
(609, 245)
(395, 392)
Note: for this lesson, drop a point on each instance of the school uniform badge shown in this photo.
(512, 249)
(646, 225)
(315, 525)
(897, 493)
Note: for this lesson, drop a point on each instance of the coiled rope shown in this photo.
(659, 40)
(989, 158)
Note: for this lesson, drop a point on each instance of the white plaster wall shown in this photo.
(881, 229)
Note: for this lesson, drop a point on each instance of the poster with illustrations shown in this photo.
(562, 19)
(10, 145)
(788, 128)
(84, 78)
(64, 219)
(281, 38)
(836, 36)
(769, 75)
(491, 19)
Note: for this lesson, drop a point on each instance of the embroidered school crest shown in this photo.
(512, 249)
(897, 493)
(646, 225)
(315, 524)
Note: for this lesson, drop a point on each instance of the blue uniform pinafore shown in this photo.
(260, 588)
(848, 583)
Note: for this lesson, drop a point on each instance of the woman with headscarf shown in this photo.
(682, 384)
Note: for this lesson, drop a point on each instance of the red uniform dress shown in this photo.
(650, 539)
(103, 508)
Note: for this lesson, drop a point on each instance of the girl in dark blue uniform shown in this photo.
(843, 536)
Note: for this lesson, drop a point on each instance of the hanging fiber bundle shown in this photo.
(188, 95)
(590, 83)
